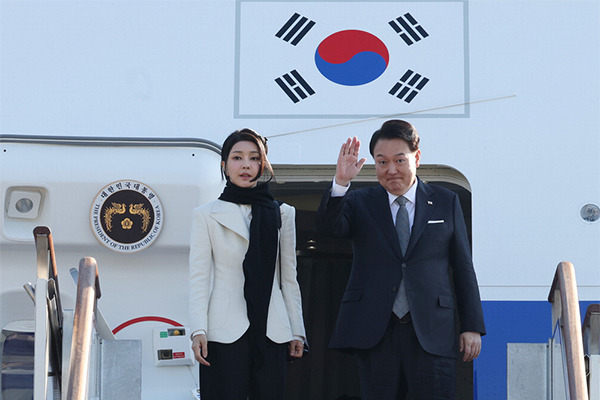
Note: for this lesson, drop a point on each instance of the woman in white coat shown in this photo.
(245, 305)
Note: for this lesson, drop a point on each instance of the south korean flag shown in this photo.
(350, 59)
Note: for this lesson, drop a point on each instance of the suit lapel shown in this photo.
(379, 208)
(423, 208)
(229, 215)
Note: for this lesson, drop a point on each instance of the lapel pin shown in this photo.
(430, 202)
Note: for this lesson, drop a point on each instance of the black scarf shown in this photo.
(259, 263)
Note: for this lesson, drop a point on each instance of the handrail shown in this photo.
(49, 299)
(46, 266)
(102, 328)
(565, 309)
(46, 262)
(41, 353)
(88, 291)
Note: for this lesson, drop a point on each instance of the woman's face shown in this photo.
(243, 164)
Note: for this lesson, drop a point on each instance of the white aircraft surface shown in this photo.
(134, 98)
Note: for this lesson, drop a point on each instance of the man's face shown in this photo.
(396, 165)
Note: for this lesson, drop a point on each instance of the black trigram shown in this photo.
(408, 28)
(294, 86)
(295, 29)
(408, 86)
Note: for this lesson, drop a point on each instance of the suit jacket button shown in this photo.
(403, 265)
(394, 289)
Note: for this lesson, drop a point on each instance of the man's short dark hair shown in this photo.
(396, 129)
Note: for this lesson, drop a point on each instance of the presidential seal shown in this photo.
(126, 216)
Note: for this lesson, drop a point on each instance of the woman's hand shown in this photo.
(200, 348)
(348, 164)
(296, 348)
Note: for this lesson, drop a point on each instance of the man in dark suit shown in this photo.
(411, 269)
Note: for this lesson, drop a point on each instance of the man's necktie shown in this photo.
(403, 229)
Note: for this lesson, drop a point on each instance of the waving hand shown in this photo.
(348, 164)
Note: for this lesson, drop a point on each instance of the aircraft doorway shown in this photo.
(323, 270)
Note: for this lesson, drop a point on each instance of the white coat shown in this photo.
(219, 241)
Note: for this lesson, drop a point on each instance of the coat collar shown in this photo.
(379, 208)
(229, 215)
(423, 207)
